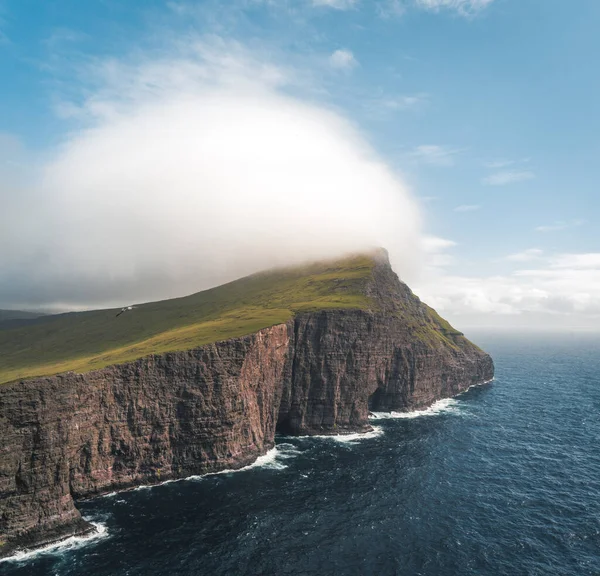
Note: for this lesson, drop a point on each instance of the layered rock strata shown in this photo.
(218, 407)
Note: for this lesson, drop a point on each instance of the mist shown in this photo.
(186, 172)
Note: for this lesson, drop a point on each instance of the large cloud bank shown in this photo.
(189, 171)
(532, 290)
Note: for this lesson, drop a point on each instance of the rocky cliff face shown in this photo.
(216, 407)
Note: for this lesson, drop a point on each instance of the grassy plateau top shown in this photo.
(84, 341)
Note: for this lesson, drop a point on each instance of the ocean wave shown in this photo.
(68, 544)
(445, 406)
(478, 385)
(355, 437)
(286, 451)
(270, 460)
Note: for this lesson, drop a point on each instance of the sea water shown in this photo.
(502, 480)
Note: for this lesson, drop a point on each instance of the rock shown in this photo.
(216, 407)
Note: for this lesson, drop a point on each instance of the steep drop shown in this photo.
(217, 406)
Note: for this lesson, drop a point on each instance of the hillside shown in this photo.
(85, 341)
(18, 318)
(7, 315)
(363, 342)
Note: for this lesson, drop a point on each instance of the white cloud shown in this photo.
(402, 102)
(558, 226)
(385, 105)
(61, 36)
(435, 155)
(505, 162)
(391, 9)
(467, 208)
(564, 291)
(189, 170)
(337, 4)
(561, 291)
(526, 255)
(495, 164)
(434, 244)
(508, 177)
(463, 7)
(435, 251)
(587, 261)
(397, 8)
(343, 60)
(179, 8)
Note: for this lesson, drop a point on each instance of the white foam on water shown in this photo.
(445, 406)
(286, 451)
(355, 437)
(148, 486)
(377, 431)
(268, 460)
(70, 543)
(478, 385)
(109, 495)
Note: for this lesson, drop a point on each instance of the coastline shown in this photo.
(96, 530)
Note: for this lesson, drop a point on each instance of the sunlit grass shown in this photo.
(86, 341)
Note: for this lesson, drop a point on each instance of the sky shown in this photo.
(150, 149)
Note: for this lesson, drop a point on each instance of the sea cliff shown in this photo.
(218, 406)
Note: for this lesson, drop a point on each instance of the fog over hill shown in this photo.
(189, 171)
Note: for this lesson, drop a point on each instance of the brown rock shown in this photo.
(217, 407)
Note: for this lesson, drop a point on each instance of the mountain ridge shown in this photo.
(83, 341)
(216, 406)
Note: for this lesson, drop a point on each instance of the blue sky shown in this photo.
(487, 109)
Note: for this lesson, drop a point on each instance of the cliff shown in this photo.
(218, 406)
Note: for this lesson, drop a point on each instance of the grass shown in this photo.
(17, 315)
(85, 341)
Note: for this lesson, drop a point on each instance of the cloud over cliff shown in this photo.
(190, 170)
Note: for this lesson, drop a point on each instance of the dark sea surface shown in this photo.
(503, 480)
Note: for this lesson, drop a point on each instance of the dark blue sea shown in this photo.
(503, 480)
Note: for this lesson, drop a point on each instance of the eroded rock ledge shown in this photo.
(178, 414)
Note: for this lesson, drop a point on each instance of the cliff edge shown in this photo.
(318, 367)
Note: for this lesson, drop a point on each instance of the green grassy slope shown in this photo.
(85, 341)
(18, 315)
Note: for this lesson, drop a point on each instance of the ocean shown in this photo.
(502, 480)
